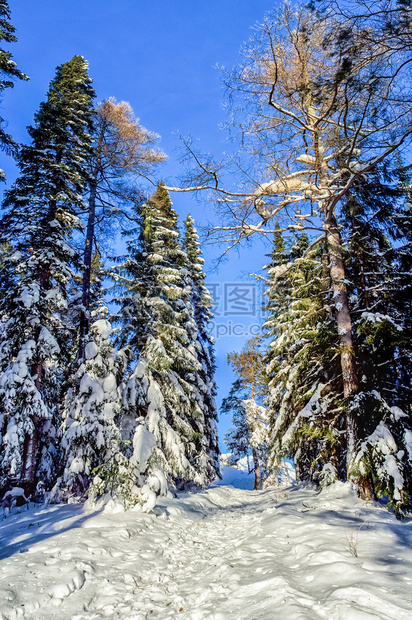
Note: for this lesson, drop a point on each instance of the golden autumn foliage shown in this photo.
(124, 145)
(249, 367)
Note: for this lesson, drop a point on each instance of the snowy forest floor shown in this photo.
(224, 553)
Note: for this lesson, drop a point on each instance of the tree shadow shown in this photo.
(19, 532)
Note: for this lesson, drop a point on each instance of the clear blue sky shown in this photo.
(161, 56)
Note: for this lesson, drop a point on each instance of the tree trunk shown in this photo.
(29, 461)
(257, 484)
(88, 255)
(342, 311)
(344, 325)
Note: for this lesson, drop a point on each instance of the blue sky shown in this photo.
(161, 56)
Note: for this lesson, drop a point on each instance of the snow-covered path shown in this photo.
(225, 553)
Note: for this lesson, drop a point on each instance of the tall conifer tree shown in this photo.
(8, 72)
(379, 268)
(304, 377)
(160, 331)
(41, 212)
(202, 304)
(305, 390)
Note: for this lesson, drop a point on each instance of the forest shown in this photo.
(108, 377)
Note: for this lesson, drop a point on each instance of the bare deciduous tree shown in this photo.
(122, 151)
(384, 22)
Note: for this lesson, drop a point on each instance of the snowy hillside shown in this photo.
(224, 553)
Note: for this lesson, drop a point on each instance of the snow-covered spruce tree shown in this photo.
(159, 330)
(249, 417)
(305, 397)
(374, 219)
(8, 72)
(90, 435)
(305, 388)
(40, 216)
(202, 304)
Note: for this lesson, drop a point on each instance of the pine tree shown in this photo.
(41, 215)
(380, 300)
(305, 392)
(305, 389)
(202, 300)
(314, 115)
(8, 72)
(202, 304)
(159, 330)
(90, 433)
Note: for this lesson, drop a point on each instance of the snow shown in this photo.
(103, 328)
(408, 442)
(377, 317)
(355, 166)
(397, 413)
(91, 350)
(238, 476)
(16, 492)
(30, 295)
(144, 444)
(307, 159)
(226, 553)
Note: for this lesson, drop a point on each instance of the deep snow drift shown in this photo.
(224, 553)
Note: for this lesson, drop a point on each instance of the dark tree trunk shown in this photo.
(344, 327)
(29, 464)
(257, 484)
(363, 484)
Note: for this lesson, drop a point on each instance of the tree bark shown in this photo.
(363, 484)
(29, 461)
(344, 326)
(257, 484)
